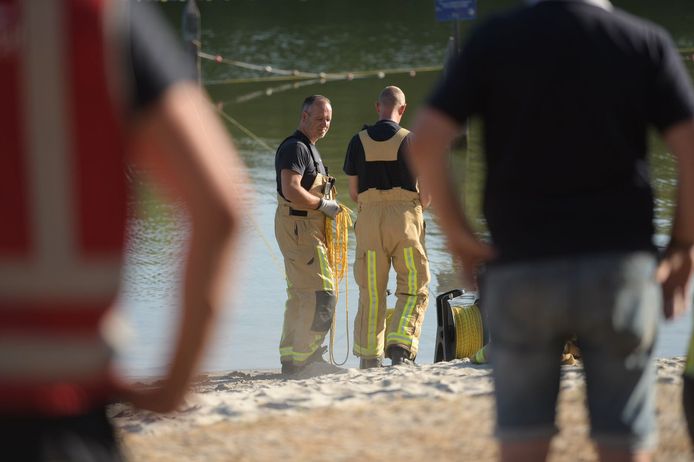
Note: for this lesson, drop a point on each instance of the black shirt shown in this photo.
(155, 60)
(296, 153)
(379, 174)
(566, 91)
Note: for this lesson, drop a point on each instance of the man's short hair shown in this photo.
(391, 96)
(310, 100)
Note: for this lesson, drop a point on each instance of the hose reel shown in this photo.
(460, 331)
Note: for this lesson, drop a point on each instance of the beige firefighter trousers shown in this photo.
(390, 230)
(311, 297)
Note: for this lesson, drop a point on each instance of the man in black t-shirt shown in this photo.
(390, 231)
(566, 91)
(304, 199)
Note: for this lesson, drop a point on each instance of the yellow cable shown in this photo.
(337, 242)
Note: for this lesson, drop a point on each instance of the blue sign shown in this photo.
(455, 10)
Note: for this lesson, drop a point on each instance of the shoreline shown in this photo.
(441, 411)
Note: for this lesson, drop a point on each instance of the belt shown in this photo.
(297, 213)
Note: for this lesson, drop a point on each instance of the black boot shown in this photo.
(399, 355)
(317, 356)
(288, 369)
(368, 363)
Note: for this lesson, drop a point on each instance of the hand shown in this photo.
(674, 274)
(329, 207)
(158, 399)
(471, 253)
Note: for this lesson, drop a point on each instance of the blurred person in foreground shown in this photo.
(688, 389)
(566, 91)
(87, 87)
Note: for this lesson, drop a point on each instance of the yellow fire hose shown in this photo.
(337, 241)
(469, 336)
(468, 328)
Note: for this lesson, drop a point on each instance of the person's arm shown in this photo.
(676, 268)
(434, 133)
(353, 187)
(182, 144)
(295, 193)
(354, 150)
(424, 195)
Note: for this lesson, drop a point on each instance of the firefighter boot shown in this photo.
(368, 363)
(288, 369)
(399, 355)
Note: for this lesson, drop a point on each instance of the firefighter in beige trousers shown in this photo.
(389, 231)
(305, 198)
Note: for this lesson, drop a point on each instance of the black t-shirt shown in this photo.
(566, 92)
(296, 153)
(379, 174)
(155, 60)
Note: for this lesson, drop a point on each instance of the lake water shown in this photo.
(313, 36)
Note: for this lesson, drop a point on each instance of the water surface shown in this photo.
(327, 36)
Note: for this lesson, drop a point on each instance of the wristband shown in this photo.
(320, 204)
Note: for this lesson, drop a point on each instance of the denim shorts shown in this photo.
(612, 302)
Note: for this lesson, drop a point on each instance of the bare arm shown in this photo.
(424, 196)
(676, 269)
(434, 133)
(353, 187)
(182, 144)
(295, 193)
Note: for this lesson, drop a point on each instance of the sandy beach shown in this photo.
(432, 412)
